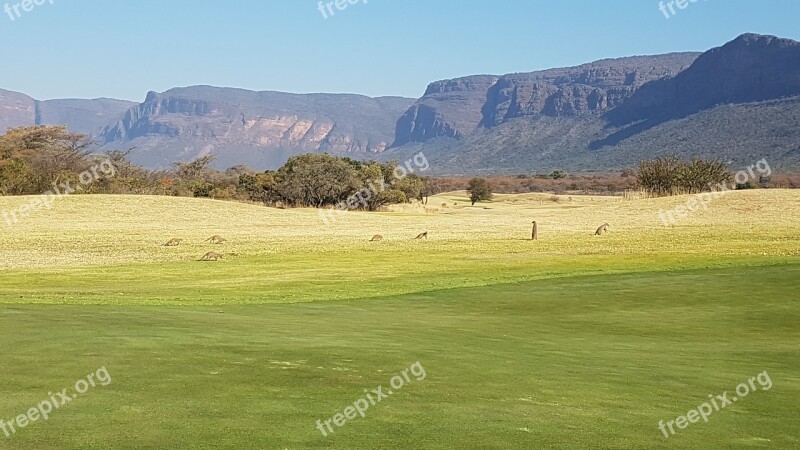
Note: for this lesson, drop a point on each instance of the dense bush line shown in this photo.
(34, 159)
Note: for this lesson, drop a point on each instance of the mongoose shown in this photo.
(422, 236)
(377, 237)
(211, 256)
(217, 239)
(173, 243)
(602, 230)
(535, 232)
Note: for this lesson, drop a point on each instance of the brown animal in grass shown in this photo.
(173, 243)
(216, 239)
(211, 256)
(376, 238)
(422, 236)
(602, 230)
(535, 232)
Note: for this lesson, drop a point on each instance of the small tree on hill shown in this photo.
(479, 189)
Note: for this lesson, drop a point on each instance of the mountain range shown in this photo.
(739, 102)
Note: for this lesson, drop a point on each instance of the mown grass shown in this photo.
(581, 362)
(573, 341)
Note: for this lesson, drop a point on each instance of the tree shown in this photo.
(48, 155)
(558, 174)
(317, 180)
(196, 169)
(261, 187)
(428, 189)
(671, 175)
(412, 186)
(479, 189)
(15, 177)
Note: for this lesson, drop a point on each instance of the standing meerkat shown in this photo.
(535, 232)
(602, 230)
(173, 243)
(376, 238)
(211, 256)
(422, 236)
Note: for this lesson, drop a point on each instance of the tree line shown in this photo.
(33, 159)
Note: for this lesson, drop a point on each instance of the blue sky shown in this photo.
(122, 49)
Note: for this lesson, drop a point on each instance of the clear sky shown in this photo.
(124, 48)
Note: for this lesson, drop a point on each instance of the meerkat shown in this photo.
(602, 230)
(173, 243)
(216, 239)
(211, 256)
(422, 236)
(376, 238)
(535, 232)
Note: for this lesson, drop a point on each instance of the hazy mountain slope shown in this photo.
(750, 68)
(257, 128)
(16, 110)
(738, 133)
(737, 102)
(83, 116)
(460, 107)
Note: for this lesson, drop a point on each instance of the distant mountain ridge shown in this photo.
(85, 116)
(257, 128)
(457, 108)
(739, 102)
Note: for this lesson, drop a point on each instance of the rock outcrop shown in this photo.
(458, 108)
(204, 119)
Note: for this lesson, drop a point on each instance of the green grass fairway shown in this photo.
(583, 362)
(574, 341)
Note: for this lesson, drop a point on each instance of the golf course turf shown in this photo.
(570, 342)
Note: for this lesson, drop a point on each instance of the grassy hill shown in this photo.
(107, 249)
(572, 341)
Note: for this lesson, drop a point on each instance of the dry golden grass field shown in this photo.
(114, 243)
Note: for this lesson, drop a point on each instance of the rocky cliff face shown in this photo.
(458, 108)
(205, 119)
(450, 108)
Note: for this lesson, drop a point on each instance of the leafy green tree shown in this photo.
(412, 186)
(317, 180)
(15, 177)
(479, 189)
(260, 187)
